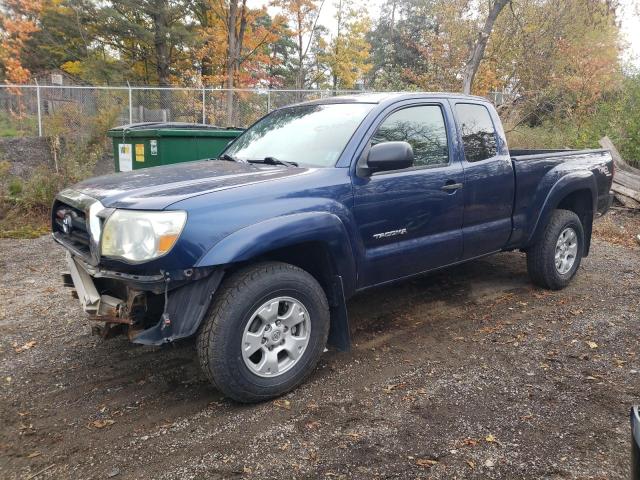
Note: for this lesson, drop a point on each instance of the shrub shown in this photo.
(15, 187)
(617, 115)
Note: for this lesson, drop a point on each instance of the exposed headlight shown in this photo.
(139, 236)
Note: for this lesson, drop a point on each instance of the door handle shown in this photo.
(452, 187)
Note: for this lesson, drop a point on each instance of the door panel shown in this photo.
(488, 203)
(408, 222)
(488, 182)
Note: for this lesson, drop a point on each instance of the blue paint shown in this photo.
(377, 228)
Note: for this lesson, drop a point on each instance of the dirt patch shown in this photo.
(620, 227)
(468, 373)
(25, 154)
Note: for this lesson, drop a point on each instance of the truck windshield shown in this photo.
(308, 135)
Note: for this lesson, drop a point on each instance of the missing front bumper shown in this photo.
(92, 302)
(155, 309)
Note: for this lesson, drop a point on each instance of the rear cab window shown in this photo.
(479, 137)
(421, 126)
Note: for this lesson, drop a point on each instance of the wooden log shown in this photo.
(628, 192)
(625, 174)
(606, 143)
(627, 180)
(627, 202)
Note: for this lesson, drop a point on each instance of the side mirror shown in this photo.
(389, 156)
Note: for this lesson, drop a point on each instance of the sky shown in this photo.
(630, 20)
(629, 17)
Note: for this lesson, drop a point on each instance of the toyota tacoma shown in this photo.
(255, 253)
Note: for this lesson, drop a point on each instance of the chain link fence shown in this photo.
(46, 110)
(83, 111)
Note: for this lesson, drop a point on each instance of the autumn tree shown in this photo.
(236, 46)
(68, 38)
(348, 52)
(302, 16)
(574, 43)
(420, 44)
(19, 21)
(476, 53)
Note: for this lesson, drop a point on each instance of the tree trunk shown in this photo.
(337, 50)
(300, 73)
(231, 57)
(477, 51)
(235, 39)
(161, 47)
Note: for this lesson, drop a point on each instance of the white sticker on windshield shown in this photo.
(124, 157)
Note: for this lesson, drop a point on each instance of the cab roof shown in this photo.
(384, 97)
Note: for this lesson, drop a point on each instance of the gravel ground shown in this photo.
(468, 373)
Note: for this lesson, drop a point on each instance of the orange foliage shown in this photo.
(254, 58)
(19, 22)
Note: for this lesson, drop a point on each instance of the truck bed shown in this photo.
(540, 173)
(532, 154)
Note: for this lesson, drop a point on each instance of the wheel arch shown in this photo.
(576, 192)
(316, 243)
(580, 202)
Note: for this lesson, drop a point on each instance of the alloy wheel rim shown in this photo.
(566, 250)
(276, 337)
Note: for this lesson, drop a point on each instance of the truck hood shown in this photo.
(157, 188)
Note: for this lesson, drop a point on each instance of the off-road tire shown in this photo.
(541, 256)
(220, 337)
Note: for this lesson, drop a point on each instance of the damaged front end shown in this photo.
(151, 309)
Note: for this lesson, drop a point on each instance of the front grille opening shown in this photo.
(69, 225)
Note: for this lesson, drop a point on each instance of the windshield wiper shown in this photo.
(275, 161)
(231, 158)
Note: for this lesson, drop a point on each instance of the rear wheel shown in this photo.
(554, 259)
(265, 332)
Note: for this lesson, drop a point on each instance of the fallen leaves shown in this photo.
(27, 346)
(469, 442)
(312, 425)
(426, 462)
(102, 423)
(284, 404)
(396, 386)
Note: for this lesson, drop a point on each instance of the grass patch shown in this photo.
(17, 126)
(19, 221)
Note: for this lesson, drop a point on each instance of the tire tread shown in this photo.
(231, 292)
(541, 271)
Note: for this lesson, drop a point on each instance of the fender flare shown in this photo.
(288, 230)
(568, 184)
(279, 232)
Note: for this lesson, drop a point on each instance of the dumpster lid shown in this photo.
(170, 129)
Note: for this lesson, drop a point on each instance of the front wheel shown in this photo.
(265, 332)
(554, 259)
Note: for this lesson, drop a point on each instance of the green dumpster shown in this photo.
(143, 145)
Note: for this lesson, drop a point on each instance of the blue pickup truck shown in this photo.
(256, 252)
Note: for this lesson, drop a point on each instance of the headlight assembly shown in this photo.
(139, 236)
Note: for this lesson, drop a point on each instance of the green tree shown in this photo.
(68, 38)
(151, 36)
